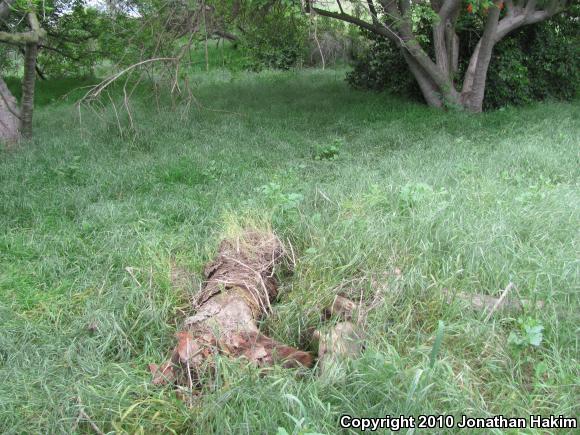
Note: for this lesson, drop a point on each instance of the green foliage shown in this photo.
(80, 38)
(52, 91)
(412, 194)
(529, 334)
(437, 344)
(7, 58)
(509, 79)
(328, 151)
(381, 67)
(538, 62)
(278, 199)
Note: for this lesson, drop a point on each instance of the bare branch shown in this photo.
(375, 28)
(95, 91)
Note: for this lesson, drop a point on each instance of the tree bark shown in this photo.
(9, 116)
(28, 85)
(428, 88)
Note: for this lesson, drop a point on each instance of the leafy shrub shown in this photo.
(538, 62)
(327, 152)
(554, 61)
(508, 80)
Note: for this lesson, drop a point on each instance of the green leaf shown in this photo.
(534, 334)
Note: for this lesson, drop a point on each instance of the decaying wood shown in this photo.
(490, 304)
(342, 341)
(238, 290)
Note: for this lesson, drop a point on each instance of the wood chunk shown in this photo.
(342, 341)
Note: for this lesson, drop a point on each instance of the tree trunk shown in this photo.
(238, 290)
(472, 98)
(28, 84)
(9, 121)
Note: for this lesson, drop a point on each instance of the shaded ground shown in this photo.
(378, 197)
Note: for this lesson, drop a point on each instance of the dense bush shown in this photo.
(538, 62)
(381, 67)
(277, 40)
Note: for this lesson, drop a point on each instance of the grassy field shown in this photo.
(378, 197)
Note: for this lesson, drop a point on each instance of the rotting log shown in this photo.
(238, 289)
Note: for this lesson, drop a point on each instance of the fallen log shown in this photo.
(239, 287)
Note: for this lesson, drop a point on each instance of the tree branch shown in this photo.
(528, 15)
(378, 29)
(33, 37)
(19, 38)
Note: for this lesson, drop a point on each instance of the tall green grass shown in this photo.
(414, 202)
